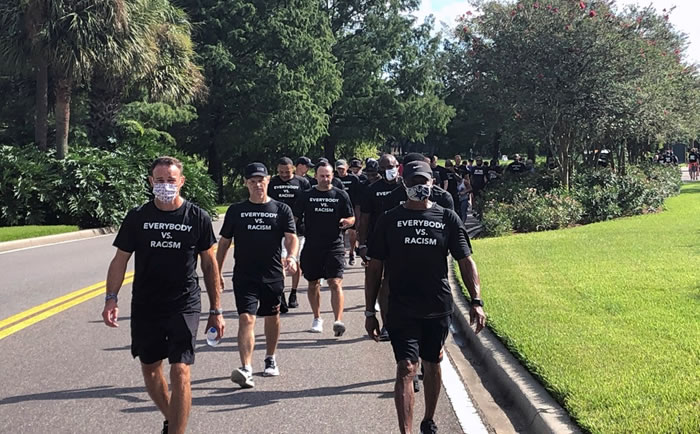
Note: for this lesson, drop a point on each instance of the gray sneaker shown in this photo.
(243, 378)
(271, 369)
(338, 328)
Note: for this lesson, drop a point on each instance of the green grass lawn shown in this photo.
(10, 233)
(607, 316)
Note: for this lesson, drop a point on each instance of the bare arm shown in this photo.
(373, 279)
(115, 278)
(210, 269)
(291, 244)
(470, 277)
(364, 228)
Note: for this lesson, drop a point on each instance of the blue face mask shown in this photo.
(419, 192)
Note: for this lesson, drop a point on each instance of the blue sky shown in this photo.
(686, 16)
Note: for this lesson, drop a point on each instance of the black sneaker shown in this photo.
(165, 427)
(283, 305)
(428, 427)
(293, 303)
(351, 260)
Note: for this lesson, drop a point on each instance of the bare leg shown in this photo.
(272, 333)
(352, 234)
(337, 297)
(296, 277)
(181, 399)
(157, 386)
(403, 394)
(383, 298)
(246, 338)
(432, 378)
(314, 295)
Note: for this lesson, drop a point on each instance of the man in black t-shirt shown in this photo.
(302, 165)
(166, 235)
(414, 239)
(693, 161)
(374, 203)
(356, 169)
(494, 170)
(352, 188)
(438, 195)
(439, 173)
(257, 226)
(286, 187)
(326, 211)
(479, 177)
(517, 167)
(335, 182)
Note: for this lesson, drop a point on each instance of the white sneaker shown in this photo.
(317, 326)
(243, 378)
(271, 369)
(338, 328)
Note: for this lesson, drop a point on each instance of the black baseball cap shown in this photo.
(306, 161)
(413, 156)
(355, 163)
(341, 163)
(417, 168)
(255, 169)
(371, 165)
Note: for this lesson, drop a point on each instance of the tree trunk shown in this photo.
(215, 169)
(496, 145)
(63, 96)
(41, 109)
(104, 102)
(329, 149)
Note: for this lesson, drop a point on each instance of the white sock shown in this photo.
(248, 368)
(270, 357)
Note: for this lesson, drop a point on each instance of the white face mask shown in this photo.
(165, 192)
(392, 173)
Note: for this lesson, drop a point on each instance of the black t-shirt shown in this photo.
(351, 184)
(438, 195)
(452, 180)
(321, 212)
(166, 245)
(479, 177)
(693, 157)
(287, 191)
(337, 183)
(494, 172)
(376, 201)
(415, 244)
(516, 167)
(257, 230)
(463, 170)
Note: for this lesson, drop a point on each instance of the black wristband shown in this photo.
(477, 302)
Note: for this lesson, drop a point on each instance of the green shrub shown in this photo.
(91, 187)
(496, 219)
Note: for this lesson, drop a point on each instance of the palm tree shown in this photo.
(162, 66)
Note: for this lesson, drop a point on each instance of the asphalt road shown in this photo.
(69, 373)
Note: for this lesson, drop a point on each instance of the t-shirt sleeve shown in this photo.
(459, 245)
(446, 201)
(126, 239)
(287, 219)
(229, 223)
(299, 204)
(206, 233)
(346, 207)
(378, 247)
(366, 201)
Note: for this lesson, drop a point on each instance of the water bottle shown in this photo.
(212, 340)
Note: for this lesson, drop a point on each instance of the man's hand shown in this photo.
(216, 321)
(110, 313)
(290, 265)
(478, 317)
(346, 222)
(372, 327)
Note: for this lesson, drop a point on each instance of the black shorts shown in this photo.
(258, 298)
(174, 337)
(322, 264)
(414, 338)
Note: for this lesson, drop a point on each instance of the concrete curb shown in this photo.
(51, 239)
(542, 413)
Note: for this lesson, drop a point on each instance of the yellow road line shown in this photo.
(51, 308)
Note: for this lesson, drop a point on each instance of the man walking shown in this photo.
(352, 188)
(415, 239)
(166, 235)
(257, 226)
(285, 187)
(326, 211)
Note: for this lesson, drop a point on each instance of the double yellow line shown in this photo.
(31, 316)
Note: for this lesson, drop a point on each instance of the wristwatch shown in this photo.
(477, 302)
(370, 313)
(216, 311)
(111, 296)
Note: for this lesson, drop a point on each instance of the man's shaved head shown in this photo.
(387, 160)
